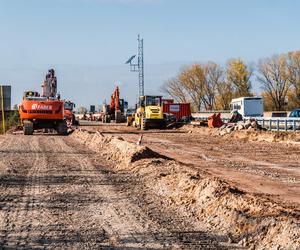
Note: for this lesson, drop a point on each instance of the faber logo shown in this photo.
(41, 107)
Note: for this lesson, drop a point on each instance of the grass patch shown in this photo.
(12, 120)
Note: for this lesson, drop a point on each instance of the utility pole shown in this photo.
(2, 109)
(139, 66)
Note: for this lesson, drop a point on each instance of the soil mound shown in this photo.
(248, 219)
(115, 148)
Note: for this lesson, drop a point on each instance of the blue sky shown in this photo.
(88, 41)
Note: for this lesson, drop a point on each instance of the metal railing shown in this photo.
(274, 124)
(280, 124)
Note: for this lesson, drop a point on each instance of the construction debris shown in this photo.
(241, 125)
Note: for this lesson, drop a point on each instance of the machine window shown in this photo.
(153, 101)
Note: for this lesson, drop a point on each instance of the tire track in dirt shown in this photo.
(18, 209)
(166, 228)
(121, 220)
(61, 195)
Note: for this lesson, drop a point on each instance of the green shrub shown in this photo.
(12, 119)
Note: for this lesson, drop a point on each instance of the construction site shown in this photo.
(196, 165)
(157, 178)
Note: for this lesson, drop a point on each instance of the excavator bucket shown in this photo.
(215, 121)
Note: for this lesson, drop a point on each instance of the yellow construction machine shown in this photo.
(149, 113)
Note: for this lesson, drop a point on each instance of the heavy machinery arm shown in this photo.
(49, 86)
(114, 112)
(115, 101)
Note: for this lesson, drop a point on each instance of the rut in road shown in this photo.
(57, 194)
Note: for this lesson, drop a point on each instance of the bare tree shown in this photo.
(293, 64)
(238, 75)
(197, 84)
(273, 76)
(175, 89)
(82, 110)
(225, 94)
(213, 74)
(187, 86)
(193, 79)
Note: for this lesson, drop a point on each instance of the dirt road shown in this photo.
(264, 168)
(55, 193)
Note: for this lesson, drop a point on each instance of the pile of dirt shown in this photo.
(246, 134)
(115, 148)
(190, 128)
(248, 219)
(268, 136)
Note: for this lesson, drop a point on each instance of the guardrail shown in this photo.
(274, 124)
(285, 124)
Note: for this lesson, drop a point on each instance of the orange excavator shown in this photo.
(114, 111)
(115, 105)
(45, 111)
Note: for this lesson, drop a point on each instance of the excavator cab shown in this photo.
(69, 113)
(30, 94)
(69, 105)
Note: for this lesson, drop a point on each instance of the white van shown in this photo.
(248, 106)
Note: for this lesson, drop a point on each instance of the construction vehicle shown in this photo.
(44, 111)
(114, 111)
(149, 113)
(248, 106)
(69, 113)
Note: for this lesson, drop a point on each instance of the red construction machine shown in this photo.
(44, 111)
(114, 111)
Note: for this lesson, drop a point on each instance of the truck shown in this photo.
(248, 106)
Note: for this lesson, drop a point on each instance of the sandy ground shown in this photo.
(58, 194)
(198, 198)
(265, 168)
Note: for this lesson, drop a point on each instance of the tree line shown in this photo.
(210, 86)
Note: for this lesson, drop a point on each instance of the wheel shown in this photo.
(163, 125)
(106, 119)
(143, 124)
(134, 124)
(74, 120)
(28, 128)
(62, 128)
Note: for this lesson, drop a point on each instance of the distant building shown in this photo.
(92, 108)
(6, 91)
